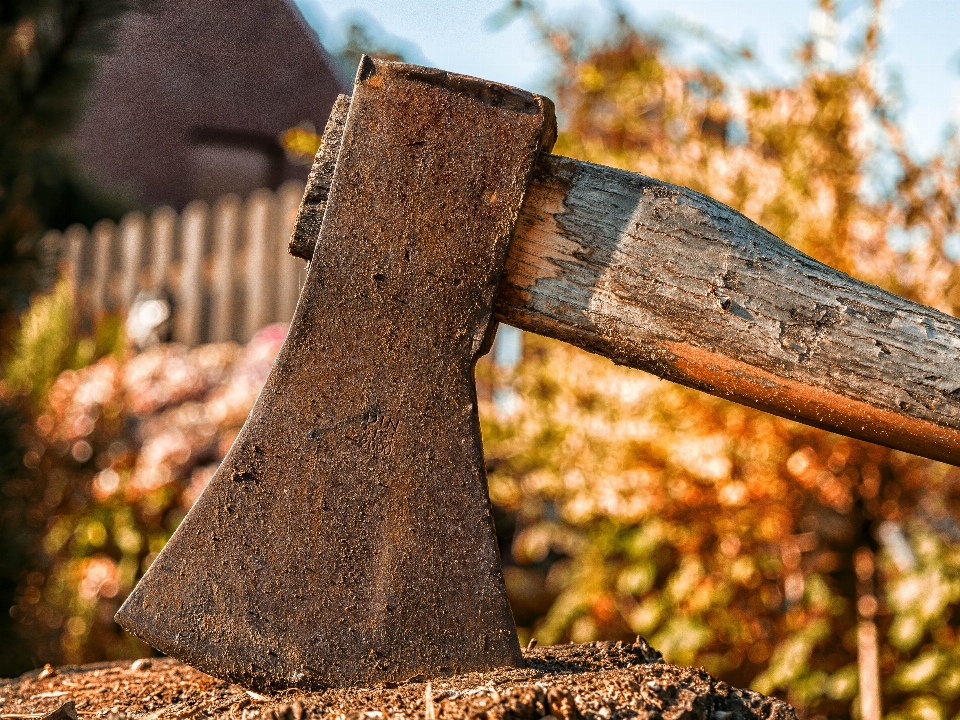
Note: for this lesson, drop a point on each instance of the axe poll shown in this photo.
(346, 538)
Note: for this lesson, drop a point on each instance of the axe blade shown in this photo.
(346, 538)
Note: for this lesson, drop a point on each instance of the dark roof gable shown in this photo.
(191, 102)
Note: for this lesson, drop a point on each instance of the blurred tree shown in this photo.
(115, 448)
(48, 53)
(772, 553)
(360, 41)
(46, 344)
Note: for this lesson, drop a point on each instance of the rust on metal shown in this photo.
(346, 538)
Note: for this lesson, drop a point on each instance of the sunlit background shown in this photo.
(144, 301)
(921, 41)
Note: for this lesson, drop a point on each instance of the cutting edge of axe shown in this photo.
(665, 279)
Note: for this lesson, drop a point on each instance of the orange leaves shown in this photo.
(649, 482)
(119, 452)
(301, 142)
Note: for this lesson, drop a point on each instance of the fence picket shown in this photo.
(258, 310)
(190, 291)
(288, 266)
(132, 239)
(226, 229)
(102, 255)
(75, 249)
(50, 245)
(75, 241)
(226, 270)
(163, 228)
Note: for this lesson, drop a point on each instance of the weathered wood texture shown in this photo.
(664, 279)
(667, 280)
(310, 215)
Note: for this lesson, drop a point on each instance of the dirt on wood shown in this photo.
(596, 680)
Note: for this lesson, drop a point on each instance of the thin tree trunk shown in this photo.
(868, 649)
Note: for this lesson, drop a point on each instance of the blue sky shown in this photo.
(922, 40)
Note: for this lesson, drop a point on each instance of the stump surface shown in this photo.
(595, 680)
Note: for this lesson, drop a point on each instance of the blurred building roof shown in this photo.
(191, 102)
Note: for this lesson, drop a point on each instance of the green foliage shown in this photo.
(114, 454)
(42, 349)
(48, 54)
(48, 343)
(16, 558)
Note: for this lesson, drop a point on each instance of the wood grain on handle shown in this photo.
(667, 280)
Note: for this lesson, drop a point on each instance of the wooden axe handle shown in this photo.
(662, 278)
(667, 280)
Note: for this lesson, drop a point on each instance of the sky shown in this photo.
(922, 41)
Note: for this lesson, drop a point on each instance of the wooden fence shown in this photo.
(225, 268)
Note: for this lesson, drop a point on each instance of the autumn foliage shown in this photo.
(756, 547)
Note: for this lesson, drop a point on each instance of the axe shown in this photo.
(346, 538)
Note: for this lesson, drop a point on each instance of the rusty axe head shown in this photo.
(346, 538)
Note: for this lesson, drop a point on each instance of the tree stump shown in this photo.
(601, 681)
